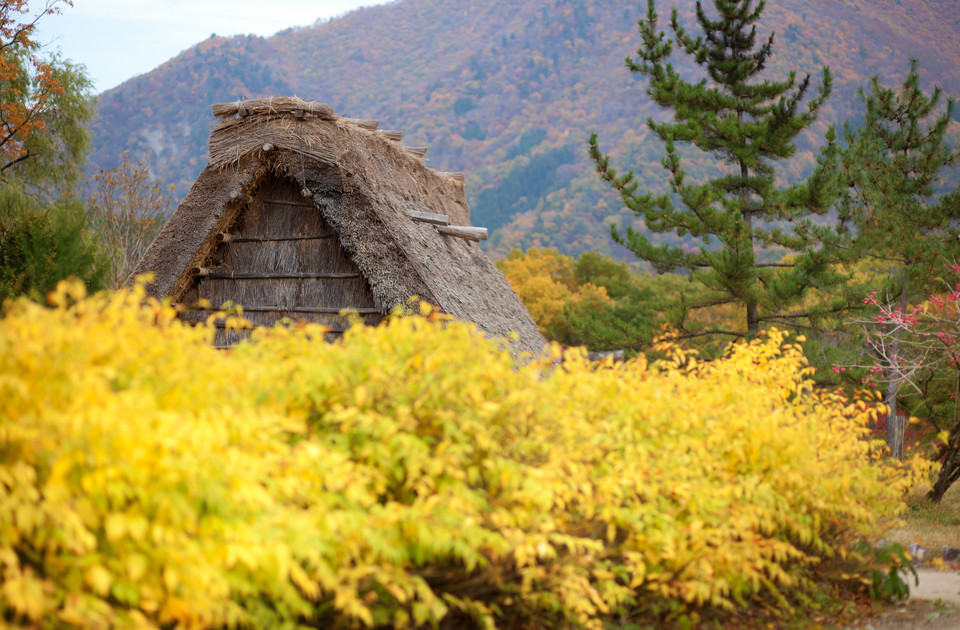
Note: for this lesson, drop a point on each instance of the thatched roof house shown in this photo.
(302, 214)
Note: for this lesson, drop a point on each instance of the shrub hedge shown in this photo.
(413, 474)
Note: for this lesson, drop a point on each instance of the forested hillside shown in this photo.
(508, 91)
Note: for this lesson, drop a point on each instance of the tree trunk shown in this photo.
(753, 320)
(895, 423)
(950, 471)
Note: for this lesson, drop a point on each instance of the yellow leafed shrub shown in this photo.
(413, 473)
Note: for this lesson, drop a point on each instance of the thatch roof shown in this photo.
(241, 233)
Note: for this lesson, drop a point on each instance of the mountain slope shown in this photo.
(508, 91)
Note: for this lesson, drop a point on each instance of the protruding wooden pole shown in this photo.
(464, 231)
(429, 217)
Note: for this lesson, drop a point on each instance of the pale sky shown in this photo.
(119, 39)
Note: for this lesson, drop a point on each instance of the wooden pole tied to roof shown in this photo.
(323, 310)
(429, 217)
(292, 275)
(467, 232)
(231, 238)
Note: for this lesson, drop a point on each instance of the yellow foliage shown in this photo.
(412, 472)
(544, 281)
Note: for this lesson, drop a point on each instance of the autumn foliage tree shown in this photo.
(597, 302)
(546, 282)
(44, 103)
(127, 211)
(917, 347)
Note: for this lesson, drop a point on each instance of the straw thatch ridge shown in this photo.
(367, 188)
(273, 105)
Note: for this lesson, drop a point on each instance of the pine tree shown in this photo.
(905, 221)
(747, 124)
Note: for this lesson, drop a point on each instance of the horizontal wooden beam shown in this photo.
(429, 217)
(230, 238)
(290, 202)
(282, 276)
(307, 309)
(222, 325)
(469, 233)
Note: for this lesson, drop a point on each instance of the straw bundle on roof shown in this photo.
(273, 105)
(457, 177)
(395, 136)
(369, 125)
(237, 138)
(417, 152)
(268, 124)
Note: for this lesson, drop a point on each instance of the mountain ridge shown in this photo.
(508, 91)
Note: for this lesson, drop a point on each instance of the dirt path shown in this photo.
(923, 611)
(934, 585)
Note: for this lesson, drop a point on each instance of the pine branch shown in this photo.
(704, 333)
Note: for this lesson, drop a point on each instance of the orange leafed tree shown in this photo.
(44, 102)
